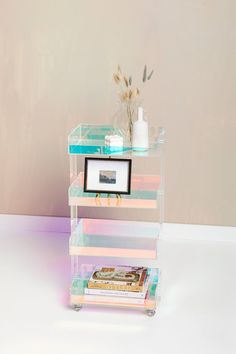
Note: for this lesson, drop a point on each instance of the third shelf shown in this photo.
(115, 238)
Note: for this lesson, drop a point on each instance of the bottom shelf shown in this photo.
(79, 298)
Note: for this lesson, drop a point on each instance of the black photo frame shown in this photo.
(107, 175)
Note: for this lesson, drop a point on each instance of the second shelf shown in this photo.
(145, 190)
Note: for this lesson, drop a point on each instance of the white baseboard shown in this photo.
(199, 232)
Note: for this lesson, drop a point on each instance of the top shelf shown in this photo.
(89, 139)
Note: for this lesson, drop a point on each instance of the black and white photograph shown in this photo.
(106, 175)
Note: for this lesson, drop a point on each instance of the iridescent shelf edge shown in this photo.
(144, 193)
(102, 301)
(89, 139)
(115, 238)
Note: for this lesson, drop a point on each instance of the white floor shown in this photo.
(197, 313)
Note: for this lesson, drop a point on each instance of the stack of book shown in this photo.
(118, 284)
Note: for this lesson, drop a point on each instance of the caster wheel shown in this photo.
(150, 313)
(77, 308)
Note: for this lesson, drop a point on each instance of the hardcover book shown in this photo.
(120, 293)
(118, 278)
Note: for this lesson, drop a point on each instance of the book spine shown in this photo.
(109, 282)
(117, 293)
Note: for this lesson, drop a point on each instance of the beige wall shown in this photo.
(56, 64)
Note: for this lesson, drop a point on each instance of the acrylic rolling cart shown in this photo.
(111, 229)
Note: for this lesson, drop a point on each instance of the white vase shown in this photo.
(140, 139)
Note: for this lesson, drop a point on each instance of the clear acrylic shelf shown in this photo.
(89, 139)
(144, 194)
(80, 282)
(115, 238)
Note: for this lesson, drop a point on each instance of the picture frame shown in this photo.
(106, 175)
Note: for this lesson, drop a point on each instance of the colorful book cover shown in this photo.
(119, 293)
(118, 278)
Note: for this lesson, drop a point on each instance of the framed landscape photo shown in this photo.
(104, 175)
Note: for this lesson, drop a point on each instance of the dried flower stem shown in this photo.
(127, 94)
(130, 113)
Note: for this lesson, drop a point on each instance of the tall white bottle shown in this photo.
(140, 132)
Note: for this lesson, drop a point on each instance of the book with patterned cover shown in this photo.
(118, 278)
